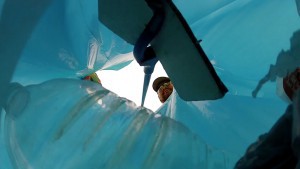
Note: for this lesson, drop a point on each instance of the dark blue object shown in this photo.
(152, 28)
(148, 70)
(143, 54)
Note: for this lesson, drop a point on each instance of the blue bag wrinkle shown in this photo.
(95, 128)
(76, 124)
(231, 123)
(66, 41)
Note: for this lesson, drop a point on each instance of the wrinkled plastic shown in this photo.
(65, 40)
(94, 128)
(226, 123)
(59, 124)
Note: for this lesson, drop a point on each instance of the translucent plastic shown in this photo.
(68, 123)
(94, 128)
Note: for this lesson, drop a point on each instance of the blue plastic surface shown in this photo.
(51, 119)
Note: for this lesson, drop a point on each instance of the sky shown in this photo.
(128, 83)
